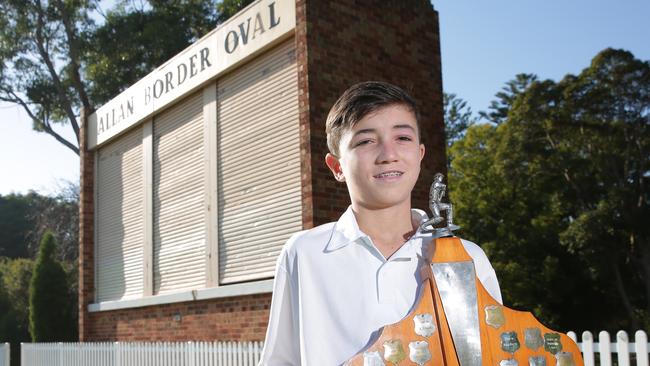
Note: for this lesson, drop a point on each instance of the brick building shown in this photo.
(193, 178)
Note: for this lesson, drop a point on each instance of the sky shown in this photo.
(483, 44)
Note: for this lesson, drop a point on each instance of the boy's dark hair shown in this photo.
(357, 102)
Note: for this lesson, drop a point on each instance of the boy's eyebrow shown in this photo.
(372, 130)
(406, 126)
(365, 130)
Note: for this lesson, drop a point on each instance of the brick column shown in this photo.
(304, 120)
(341, 42)
(86, 228)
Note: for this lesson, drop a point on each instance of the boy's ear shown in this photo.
(335, 166)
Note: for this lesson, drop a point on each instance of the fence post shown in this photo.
(206, 353)
(258, 351)
(230, 353)
(622, 348)
(641, 348)
(238, 352)
(220, 358)
(249, 354)
(588, 348)
(116, 350)
(605, 348)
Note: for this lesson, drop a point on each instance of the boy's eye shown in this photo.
(405, 138)
(362, 142)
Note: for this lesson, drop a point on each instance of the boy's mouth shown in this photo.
(389, 174)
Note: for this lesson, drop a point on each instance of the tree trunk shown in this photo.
(620, 287)
(65, 101)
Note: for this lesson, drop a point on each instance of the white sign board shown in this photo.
(245, 34)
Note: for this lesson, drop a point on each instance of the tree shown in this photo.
(557, 193)
(155, 34)
(41, 62)
(7, 318)
(50, 310)
(506, 97)
(9, 328)
(458, 117)
(53, 58)
(14, 225)
(58, 213)
(228, 8)
(25, 218)
(16, 275)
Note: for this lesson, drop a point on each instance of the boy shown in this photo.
(338, 284)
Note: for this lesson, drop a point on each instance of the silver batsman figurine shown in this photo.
(436, 193)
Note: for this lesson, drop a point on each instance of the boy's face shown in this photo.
(380, 158)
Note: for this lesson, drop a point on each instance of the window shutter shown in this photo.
(259, 190)
(119, 214)
(179, 246)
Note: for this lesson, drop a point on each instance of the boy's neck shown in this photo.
(389, 228)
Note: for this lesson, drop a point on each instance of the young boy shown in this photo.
(338, 284)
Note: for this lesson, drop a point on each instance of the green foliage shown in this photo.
(506, 97)
(39, 53)
(58, 213)
(458, 117)
(25, 218)
(228, 8)
(16, 275)
(7, 318)
(141, 40)
(557, 194)
(55, 59)
(14, 225)
(50, 312)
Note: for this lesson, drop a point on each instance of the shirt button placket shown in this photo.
(385, 292)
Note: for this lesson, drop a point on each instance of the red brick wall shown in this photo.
(343, 42)
(242, 318)
(338, 43)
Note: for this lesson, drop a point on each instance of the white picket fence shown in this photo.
(141, 354)
(622, 347)
(248, 353)
(4, 354)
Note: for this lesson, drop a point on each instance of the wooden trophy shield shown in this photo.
(456, 322)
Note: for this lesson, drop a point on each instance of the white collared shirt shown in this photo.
(334, 291)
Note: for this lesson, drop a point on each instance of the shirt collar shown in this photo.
(346, 230)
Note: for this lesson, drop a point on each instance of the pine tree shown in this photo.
(50, 310)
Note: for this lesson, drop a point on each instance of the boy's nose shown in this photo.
(387, 153)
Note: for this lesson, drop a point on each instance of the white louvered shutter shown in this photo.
(120, 218)
(258, 164)
(178, 198)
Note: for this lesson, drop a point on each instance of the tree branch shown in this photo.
(624, 298)
(45, 126)
(99, 9)
(74, 56)
(66, 103)
(643, 261)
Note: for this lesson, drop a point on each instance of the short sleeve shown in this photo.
(282, 344)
